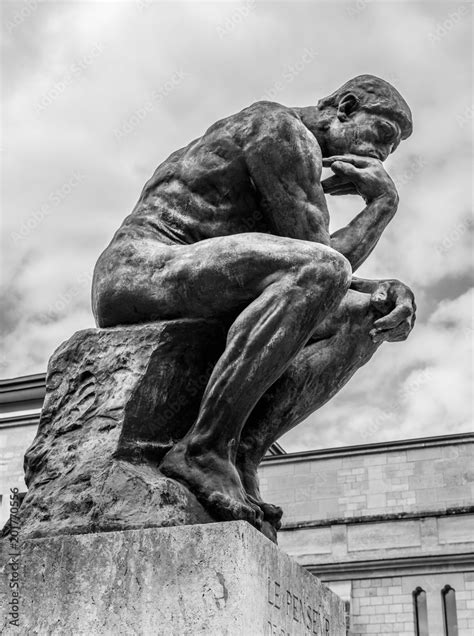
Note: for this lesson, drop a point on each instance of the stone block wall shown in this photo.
(385, 605)
(389, 480)
(377, 522)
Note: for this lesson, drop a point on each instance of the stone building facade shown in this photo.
(389, 527)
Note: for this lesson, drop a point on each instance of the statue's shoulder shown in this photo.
(266, 118)
(269, 110)
(250, 121)
(267, 106)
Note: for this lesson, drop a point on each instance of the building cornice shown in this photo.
(374, 448)
(15, 421)
(21, 394)
(413, 565)
(22, 383)
(398, 516)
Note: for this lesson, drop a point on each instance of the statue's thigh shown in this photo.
(224, 274)
(216, 277)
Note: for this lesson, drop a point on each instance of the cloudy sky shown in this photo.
(96, 94)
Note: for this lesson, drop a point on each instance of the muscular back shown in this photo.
(255, 171)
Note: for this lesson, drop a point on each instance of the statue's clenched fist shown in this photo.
(396, 302)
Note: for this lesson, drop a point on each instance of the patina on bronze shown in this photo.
(235, 226)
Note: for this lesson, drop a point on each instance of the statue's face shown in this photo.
(363, 133)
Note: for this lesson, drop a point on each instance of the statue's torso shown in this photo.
(204, 190)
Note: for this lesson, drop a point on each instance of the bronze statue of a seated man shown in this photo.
(236, 226)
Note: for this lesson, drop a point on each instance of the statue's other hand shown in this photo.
(366, 175)
(396, 302)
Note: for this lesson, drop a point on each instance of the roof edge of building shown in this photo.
(373, 448)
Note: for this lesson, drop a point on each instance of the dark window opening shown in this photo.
(448, 596)
(421, 612)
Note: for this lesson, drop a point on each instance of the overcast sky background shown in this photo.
(96, 94)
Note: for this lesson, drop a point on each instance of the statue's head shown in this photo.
(366, 116)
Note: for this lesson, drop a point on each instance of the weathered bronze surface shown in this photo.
(235, 227)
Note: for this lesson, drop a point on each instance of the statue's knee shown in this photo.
(333, 272)
(339, 270)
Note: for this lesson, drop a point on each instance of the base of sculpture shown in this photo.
(218, 578)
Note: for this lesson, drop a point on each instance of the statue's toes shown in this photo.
(272, 514)
(230, 509)
(219, 504)
(257, 505)
(259, 516)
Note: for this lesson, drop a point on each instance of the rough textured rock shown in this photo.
(222, 578)
(116, 400)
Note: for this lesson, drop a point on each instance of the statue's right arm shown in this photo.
(284, 163)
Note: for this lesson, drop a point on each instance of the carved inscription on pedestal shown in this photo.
(290, 608)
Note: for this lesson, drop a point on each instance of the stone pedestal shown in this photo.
(116, 401)
(216, 579)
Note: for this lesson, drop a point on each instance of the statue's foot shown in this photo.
(249, 477)
(214, 481)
